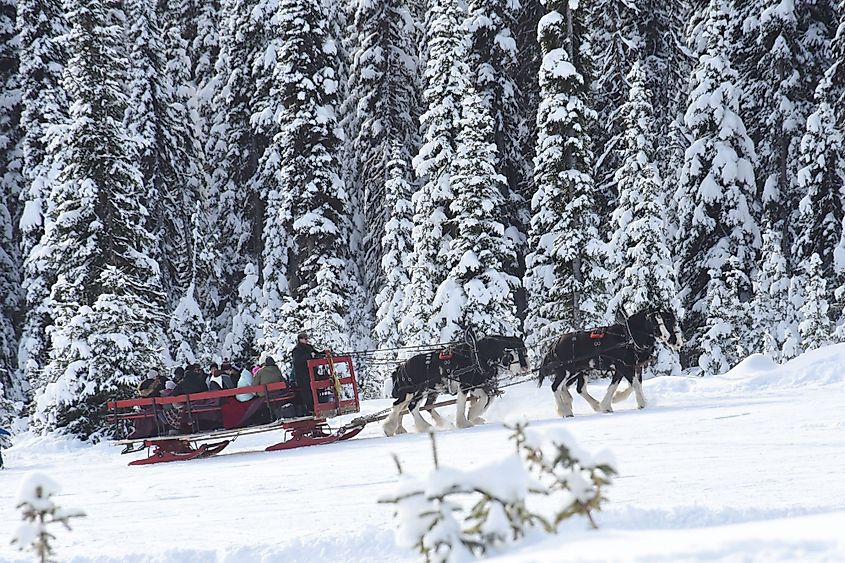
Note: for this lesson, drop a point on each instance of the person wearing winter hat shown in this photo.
(152, 386)
(302, 352)
(270, 373)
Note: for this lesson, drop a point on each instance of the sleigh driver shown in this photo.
(301, 353)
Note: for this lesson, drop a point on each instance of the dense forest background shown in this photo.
(190, 180)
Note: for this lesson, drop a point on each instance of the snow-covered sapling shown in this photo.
(40, 512)
(431, 516)
(566, 469)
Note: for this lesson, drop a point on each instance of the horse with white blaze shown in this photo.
(623, 348)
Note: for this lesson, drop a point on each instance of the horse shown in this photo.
(623, 348)
(467, 370)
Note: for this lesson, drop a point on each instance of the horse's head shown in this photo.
(505, 351)
(669, 329)
(650, 325)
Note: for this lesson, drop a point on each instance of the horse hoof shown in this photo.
(640, 407)
(608, 410)
(569, 416)
(478, 420)
(463, 424)
(400, 430)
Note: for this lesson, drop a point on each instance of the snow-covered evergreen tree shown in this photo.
(774, 317)
(42, 28)
(161, 128)
(493, 53)
(232, 151)
(107, 294)
(775, 103)
(396, 248)
(715, 186)
(478, 293)
(191, 336)
(722, 342)
(446, 80)
(11, 183)
(561, 267)
(641, 261)
(241, 341)
(618, 44)
(821, 178)
(384, 106)
(306, 259)
(815, 327)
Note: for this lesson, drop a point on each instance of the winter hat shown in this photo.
(302, 336)
(269, 361)
(169, 385)
(152, 374)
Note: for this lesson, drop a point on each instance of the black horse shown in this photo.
(467, 370)
(623, 349)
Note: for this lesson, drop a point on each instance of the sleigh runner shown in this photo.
(200, 425)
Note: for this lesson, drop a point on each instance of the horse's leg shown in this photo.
(393, 425)
(479, 406)
(637, 384)
(624, 394)
(419, 422)
(435, 416)
(460, 410)
(618, 374)
(581, 386)
(562, 397)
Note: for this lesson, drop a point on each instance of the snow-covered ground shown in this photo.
(743, 467)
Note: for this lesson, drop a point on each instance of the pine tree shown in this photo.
(715, 186)
(493, 53)
(246, 331)
(107, 294)
(11, 183)
(478, 293)
(233, 208)
(446, 79)
(618, 44)
(383, 111)
(639, 242)
(775, 102)
(821, 177)
(773, 313)
(160, 126)
(191, 336)
(310, 205)
(396, 248)
(815, 327)
(664, 59)
(563, 245)
(42, 28)
(721, 343)
(528, 87)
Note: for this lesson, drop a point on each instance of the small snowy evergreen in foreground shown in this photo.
(40, 514)
(454, 515)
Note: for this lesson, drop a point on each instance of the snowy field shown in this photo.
(743, 467)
